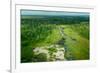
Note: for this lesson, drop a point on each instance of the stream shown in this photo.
(68, 54)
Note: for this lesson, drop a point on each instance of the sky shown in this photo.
(60, 13)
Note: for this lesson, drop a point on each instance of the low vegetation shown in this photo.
(73, 36)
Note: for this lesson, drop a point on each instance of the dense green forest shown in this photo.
(51, 34)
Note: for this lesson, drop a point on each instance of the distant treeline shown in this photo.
(54, 19)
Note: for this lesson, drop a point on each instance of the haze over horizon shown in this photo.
(53, 13)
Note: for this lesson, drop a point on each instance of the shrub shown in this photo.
(42, 57)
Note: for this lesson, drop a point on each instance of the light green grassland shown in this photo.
(78, 45)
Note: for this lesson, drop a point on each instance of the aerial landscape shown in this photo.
(50, 36)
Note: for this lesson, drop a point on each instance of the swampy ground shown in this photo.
(68, 32)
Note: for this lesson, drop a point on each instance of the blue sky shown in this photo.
(33, 12)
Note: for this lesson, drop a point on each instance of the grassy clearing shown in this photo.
(78, 45)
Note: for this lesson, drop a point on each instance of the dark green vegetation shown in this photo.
(42, 57)
(71, 32)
